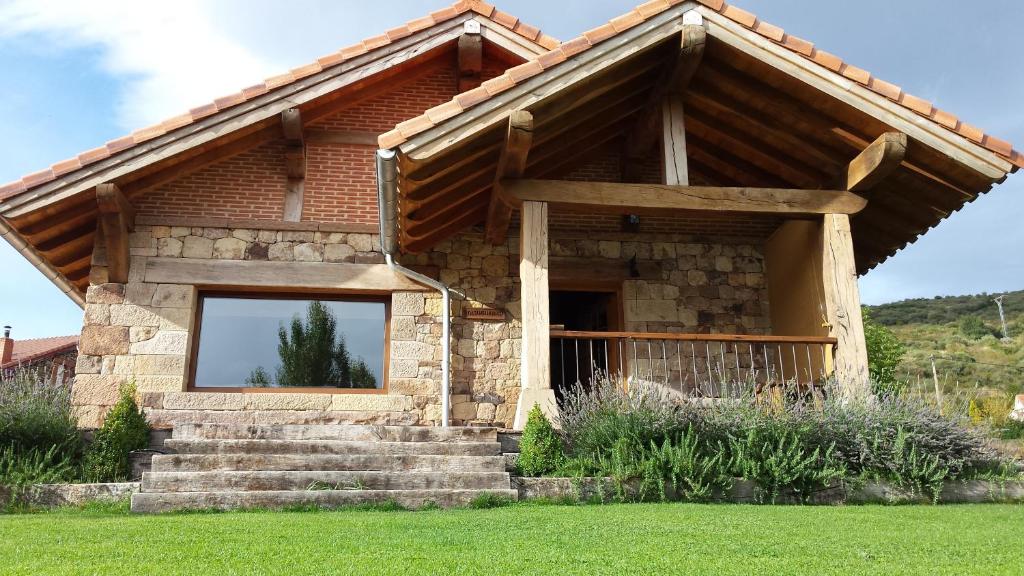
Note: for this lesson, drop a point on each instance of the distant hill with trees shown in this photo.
(964, 335)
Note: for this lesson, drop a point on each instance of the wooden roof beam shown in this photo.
(619, 198)
(874, 163)
(471, 56)
(116, 219)
(295, 164)
(674, 81)
(511, 164)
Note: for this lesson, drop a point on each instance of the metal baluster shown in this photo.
(576, 343)
(782, 367)
(750, 374)
(664, 358)
(796, 367)
(707, 359)
(679, 358)
(590, 343)
(622, 359)
(696, 379)
(810, 367)
(606, 357)
(561, 348)
(824, 362)
(633, 370)
(767, 365)
(650, 363)
(724, 372)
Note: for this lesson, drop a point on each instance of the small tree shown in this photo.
(125, 429)
(972, 327)
(540, 449)
(885, 352)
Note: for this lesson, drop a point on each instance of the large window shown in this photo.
(289, 343)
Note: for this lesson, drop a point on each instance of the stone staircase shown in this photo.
(226, 466)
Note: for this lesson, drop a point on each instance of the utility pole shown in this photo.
(938, 389)
(1002, 317)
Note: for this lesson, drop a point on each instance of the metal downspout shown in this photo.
(387, 203)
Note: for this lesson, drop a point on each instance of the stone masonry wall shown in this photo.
(141, 331)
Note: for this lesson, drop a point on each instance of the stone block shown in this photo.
(403, 368)
(160, 364)
(696, 278)
(370, 402)
(202, 401)
(139, 293)
(281, 252)
(403, 328)
(132, 315)
(96, 315)
(297, 236)
(197, 247)
(723, 263)
(609, 249)
(412, 350)
(412, 386)
(360, 242)
(96, 389)
(90, 417)
(104, 340)
(339, 253)
(495, 266)
(308, 252)
(407, 304)
(87, 364)
(652, 311)
(175, 318)
(229, 248)
(164, 342)
(159, 383)
(140, 333)
(105, 294)
(169, 247)
(244, 235)
(285, 401)
(215, 233)
(173, 296)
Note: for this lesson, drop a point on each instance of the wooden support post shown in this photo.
(671, 87)
(295, 164)
(471, 56)
(511, 164)
(842, 305)
(874, 163)
(116, 220)
(535, 356)
(674, 142)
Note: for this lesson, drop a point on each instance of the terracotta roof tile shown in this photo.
(526, 31)
(176, 122)
(353, 51)
(446, 13)
(307, 70)
(715, 5)
(653, 7)
(856, 74)
(255, 90)
(575, 46)
(919, 105)
(415, 125)
(887, 89)
(998, 145)
(122, 143)
(147, 133)
(946, 119)
(798, 45)
(93, 155)
(66, 166)
(548, 42)
(37, 348)
(769, 31)
(828, 60)
(499, 84)
(550, 58)
(390, 139)
(624, 22)
(375, 42)
(525, 70)
(12, 188)
(482, 8)
(229, 100)
(439, 114)
(330, 60)
(971, 132)
(739, 15)
(602, 32)
(203, 111)
(470, 98)
(398, 33)
(504, 18)
(38, 178)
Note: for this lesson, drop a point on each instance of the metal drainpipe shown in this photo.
(387, 200)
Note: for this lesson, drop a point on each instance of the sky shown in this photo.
(77, 74)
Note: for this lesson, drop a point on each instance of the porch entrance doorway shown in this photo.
(578, 359)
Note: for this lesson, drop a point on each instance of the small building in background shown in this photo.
(54, 356)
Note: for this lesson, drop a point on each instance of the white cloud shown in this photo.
(169, 56)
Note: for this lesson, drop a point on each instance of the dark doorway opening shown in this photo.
(579, 359)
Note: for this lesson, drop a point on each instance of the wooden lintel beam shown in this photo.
(874, 163)
(116, 219)
(674, 81)
(616, 198)
(511, 165)
(295, 164)
(471, 56)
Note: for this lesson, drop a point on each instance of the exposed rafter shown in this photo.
(116, 219)
(511, 164)
(471, 56)
(295, 164)
(876, 162)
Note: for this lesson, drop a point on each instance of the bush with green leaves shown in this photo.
(974, 328)
(540, 449)
(647, 441)
(885, 352)
(35, 415)
(124, 429)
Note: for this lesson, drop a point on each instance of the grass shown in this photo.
(522, 539)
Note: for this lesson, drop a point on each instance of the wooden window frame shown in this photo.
(197, 320)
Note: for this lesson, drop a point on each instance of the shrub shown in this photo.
(885, 352)
(974, 328)
(540, 449)
(20, 470)
(125, 429)
(35, 415)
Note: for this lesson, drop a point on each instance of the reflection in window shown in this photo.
(286, 342)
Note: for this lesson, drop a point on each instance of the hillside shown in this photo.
(963, 334)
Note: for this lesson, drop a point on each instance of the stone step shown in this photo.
(326, 462)
(203, 446)
(306, 480)
(169, 501)
(166, 418)
(215, 431)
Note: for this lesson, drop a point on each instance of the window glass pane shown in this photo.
(257, 342)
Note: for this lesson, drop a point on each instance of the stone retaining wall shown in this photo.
(141, 331)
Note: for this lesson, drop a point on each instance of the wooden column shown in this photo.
(674, 141)
(295, 165)
(535, 356)
(842, 304)
(116, 220)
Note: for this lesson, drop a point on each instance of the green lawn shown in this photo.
(526, 539)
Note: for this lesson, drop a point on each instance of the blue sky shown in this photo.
(80, 73)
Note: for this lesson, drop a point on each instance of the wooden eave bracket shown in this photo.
(116, 220)
(511, 165)
(874, 163)
(295, 164)
(471, 56)
(674, 80)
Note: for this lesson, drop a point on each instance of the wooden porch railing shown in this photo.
(706, 365)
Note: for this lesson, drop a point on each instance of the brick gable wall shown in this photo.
(340, 183)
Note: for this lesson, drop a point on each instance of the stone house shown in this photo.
(460, 217)
(52, 357)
